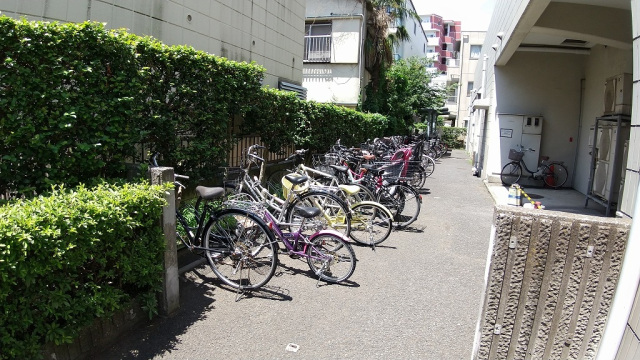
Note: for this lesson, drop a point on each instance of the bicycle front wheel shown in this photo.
(511, 173)
(370, 223)
(331, 258)
(241, 250)
(555, 175)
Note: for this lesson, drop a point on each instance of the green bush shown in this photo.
(285, 120)
(452, 136)
(77, 101)
(70, 257)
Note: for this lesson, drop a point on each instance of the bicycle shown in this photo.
(335, 213)
(237, 244)
(511, 173)
(371, 222)
(328, 254)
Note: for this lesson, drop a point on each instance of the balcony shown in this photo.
(317, 48)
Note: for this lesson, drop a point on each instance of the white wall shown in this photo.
(338, 81)
(603, 63)
(269, 32)
(546, 84)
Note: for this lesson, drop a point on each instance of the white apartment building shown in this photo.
(570, 69)
(335, 31)
(333, 69)
(470, 48)
(269, 32)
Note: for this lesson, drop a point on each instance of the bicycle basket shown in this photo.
(515, 155)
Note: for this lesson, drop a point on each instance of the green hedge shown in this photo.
(283, 120)
(451, 136)
(76, 101)
(70, 257)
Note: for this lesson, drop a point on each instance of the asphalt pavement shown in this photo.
(417, 296)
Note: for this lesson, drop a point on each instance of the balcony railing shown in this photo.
(317, 48)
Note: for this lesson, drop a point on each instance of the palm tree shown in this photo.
(379, 43)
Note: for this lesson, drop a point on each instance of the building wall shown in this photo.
(417, 45)
(522, 88)
(603, 63)
(269, 32)
(340, 80)
(467, 72)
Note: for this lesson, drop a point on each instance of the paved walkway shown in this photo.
(416, 297)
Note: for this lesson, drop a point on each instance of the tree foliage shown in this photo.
(380, 42)
(404, 89)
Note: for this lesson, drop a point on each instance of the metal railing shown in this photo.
(317, 48)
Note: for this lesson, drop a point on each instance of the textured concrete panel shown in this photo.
(551, 282)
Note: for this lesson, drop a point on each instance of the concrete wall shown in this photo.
(269, 32)
(551, 280)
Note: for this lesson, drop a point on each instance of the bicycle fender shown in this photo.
(329, 232)
(367, 202)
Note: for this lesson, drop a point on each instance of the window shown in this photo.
(414, 28)
(475, 51)
(469, 88)
(317, 42)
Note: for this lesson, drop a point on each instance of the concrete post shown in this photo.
(170, 297)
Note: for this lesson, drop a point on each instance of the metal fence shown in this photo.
(317, 48)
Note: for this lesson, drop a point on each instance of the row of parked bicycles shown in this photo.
(314, 212)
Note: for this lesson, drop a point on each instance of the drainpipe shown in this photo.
(625, 291)
(483, 139)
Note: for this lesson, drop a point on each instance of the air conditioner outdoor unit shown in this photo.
(617, 94)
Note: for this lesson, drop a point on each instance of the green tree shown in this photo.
(403, 90)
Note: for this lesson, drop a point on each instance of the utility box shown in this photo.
(617, 95)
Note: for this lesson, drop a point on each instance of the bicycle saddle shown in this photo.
(307, 212)
(209, 193)
(338, 168)
(373, 170)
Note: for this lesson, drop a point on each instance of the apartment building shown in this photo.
(567, 70)
(443, 48)
(269, 32)
(335, 31)
(470, 48)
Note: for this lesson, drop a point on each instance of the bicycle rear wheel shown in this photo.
(417, 176)
(370, 223)
(241, 250)
(403, 201)
(335, 213)
(331, 258)
(428, 164)
(555, 175)
(511, 173)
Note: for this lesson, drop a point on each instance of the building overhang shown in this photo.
(481, 104)
(568, 27)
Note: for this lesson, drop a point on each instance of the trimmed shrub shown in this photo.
(76, 102)
(70, 257)
(284, 120)
(452, 136)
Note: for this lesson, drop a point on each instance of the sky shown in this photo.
(475, 15)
